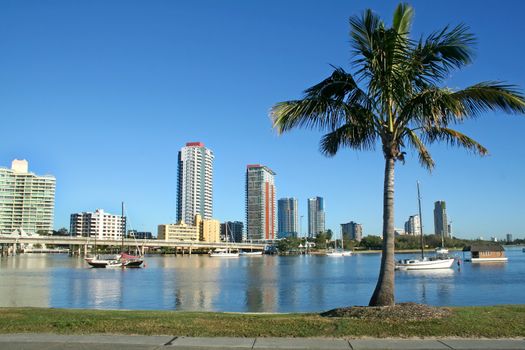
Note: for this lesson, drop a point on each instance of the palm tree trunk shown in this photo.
(384, 292)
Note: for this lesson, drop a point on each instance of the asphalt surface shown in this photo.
(107, 342)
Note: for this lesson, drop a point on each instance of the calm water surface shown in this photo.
(250, 284)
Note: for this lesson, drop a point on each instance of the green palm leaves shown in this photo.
(394, 93)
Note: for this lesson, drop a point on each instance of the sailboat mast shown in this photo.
(123, 228)
(420, 221)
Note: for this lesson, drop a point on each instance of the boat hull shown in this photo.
(484, 260)
(251, 253)
(339, 253)
(224, 255)
(425, 264)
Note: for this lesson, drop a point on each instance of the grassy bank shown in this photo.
(490, 322)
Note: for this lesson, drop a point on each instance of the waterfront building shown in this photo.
(260, 203)
(209, 229)
(287, 218)
(233, 231)
(509, 238)
(352, 230)
(98, 224)
(316, 216)
(178, 232)
(413, 225)
(27, 200)
(140, 234)
(440, 219)
(204, 230)
(195, 182)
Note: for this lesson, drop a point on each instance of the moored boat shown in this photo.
(223, 253)
(424, 264)
(103, 261)
(440, 261)
(256, 253)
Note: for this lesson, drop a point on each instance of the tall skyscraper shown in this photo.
(260, 202)
(195, 183)
(413, 225)
(288, 218)
(440, 219)
(27, 201)
(352, 230)
(315, 216)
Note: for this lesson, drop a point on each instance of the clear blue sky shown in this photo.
(103, 93)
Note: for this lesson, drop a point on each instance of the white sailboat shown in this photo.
(224, 252)
(339, 252)
(440, 261)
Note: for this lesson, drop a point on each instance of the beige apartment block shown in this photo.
(177, 232)
(207, 230)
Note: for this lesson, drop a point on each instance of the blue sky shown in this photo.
(103, 93)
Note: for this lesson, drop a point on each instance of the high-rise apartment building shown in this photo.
(195, 183)
(413, 225)
(233, 231)
(352, 230)
(315, 216)
(440, 219)
(288, 218)
(260, 203)
(27, 201)
(98, 224)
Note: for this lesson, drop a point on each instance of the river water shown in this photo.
(249, 284)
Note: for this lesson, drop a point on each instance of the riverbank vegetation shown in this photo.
(402, 243)
(470, 322)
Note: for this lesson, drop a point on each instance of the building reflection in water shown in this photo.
(191, 282)
(24, 281)
(260, 283)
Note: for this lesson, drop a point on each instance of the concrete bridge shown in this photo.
(10, 244)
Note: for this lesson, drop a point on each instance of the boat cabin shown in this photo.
(486, 252)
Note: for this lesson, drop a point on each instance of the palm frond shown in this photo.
(340, 85)
(403, 18)
(454, 138)
(315, 113)
(425, 159)
(358, 135)
(490, 96)
(436, 56)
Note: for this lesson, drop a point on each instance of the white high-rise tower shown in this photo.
(195, 183)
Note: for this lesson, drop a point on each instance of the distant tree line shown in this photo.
(323, 241)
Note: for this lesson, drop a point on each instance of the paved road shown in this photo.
(107, 342)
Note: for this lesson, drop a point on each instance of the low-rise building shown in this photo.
(204, 230)
(97, 224)
(209, 230)
(178, 232)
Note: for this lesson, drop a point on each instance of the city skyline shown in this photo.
(137, 93)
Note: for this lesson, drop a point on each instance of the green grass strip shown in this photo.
(506, 321)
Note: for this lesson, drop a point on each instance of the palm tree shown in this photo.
(394, 99)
